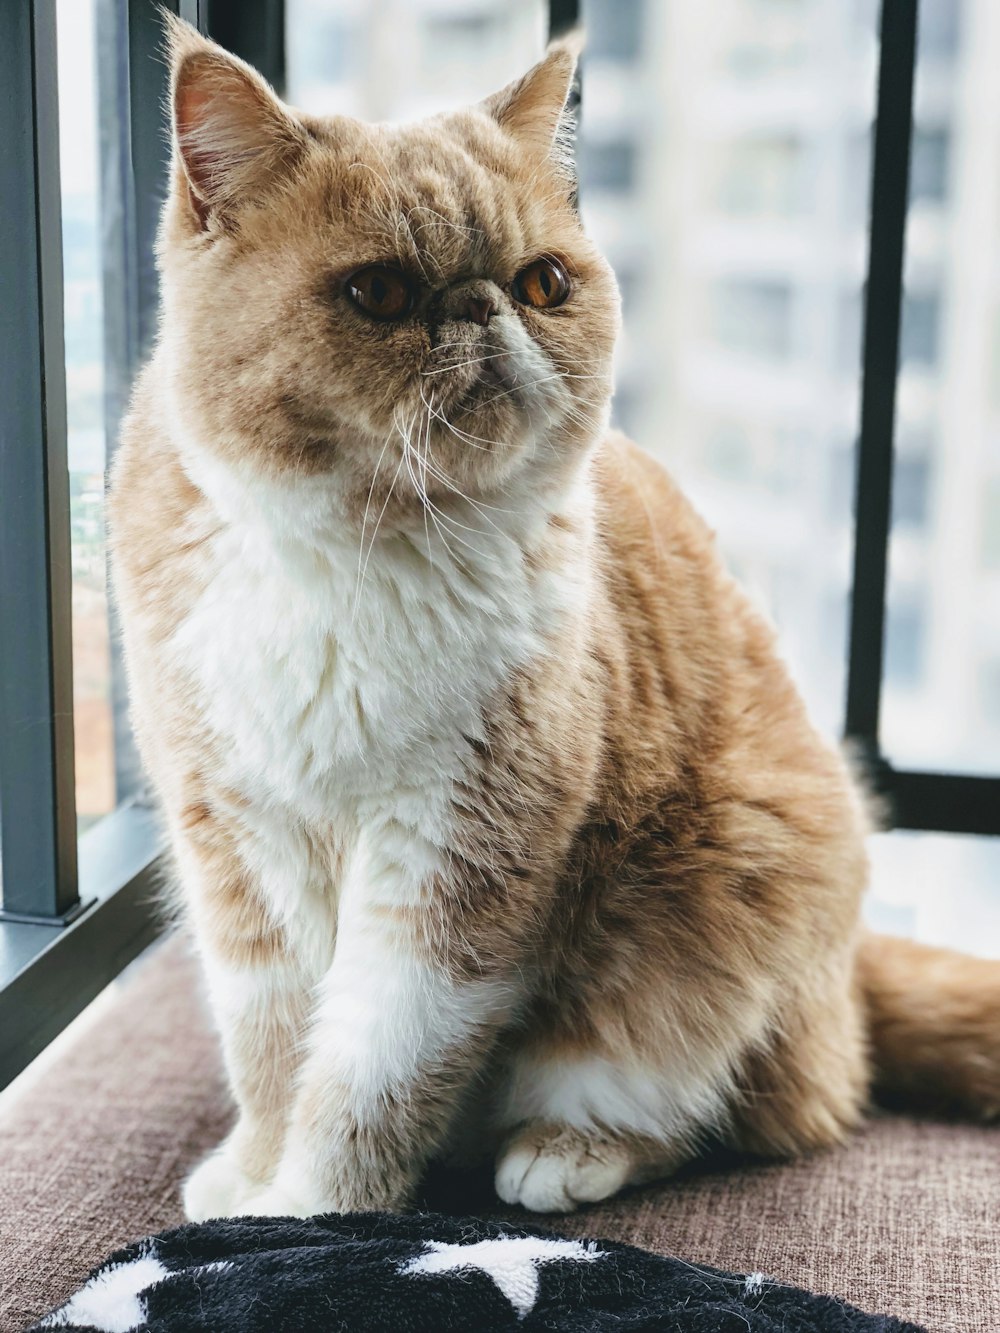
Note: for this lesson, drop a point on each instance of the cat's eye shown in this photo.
(382, 292)
(543, 284)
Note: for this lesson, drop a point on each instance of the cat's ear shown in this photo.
(539, 109)
(233, 136)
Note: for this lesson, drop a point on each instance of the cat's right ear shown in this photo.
(233, 136)
(539, 109)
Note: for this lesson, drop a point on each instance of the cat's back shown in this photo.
(669, 584)
(695, 663)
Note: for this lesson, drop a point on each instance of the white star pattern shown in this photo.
(111, 1301)
(511, 1261)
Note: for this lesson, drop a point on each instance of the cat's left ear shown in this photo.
(539, 109)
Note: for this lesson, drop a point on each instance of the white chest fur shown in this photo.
(333, 694)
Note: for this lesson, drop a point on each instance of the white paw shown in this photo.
(216, 1188)
(551, 1170)
(274, 1201)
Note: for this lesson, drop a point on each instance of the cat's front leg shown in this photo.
(260, 1002)
(399, 1033)
(261, 1011)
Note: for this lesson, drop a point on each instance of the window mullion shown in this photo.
(883, 300)
(37, 796)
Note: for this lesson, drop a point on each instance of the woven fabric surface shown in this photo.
(905, 1219)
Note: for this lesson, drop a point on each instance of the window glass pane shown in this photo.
(79, 156)
(398, 59)
(743, 234)
(943, 625)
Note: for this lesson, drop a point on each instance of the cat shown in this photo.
(495, 813)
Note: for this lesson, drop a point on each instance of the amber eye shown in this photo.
(381, 292)
(543, 284)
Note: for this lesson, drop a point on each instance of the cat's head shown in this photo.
(400, 309)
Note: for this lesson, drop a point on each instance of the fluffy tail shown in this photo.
(934, 1021)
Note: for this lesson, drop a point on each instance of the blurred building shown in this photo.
(725, 155)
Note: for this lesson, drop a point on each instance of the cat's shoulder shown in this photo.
(640, 502)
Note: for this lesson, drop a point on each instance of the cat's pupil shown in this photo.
(379, 290)
(545, 282)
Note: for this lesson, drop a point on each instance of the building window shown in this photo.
(761, 177)
(911, 484)
(608, 165)
(920, 333)
(990, 544)
(989, 691)
(753, 315)
(904, 643)
(940, 28)
(929, 164)
(614, 28)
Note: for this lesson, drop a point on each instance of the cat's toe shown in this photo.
(218, 1187)
(552, 1170)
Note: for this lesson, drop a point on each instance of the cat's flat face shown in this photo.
(415, 305)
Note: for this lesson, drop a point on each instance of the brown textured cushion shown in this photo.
(905, 1220)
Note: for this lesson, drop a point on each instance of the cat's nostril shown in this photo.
(479, 309)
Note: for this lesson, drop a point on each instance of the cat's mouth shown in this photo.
(481, 380)
(501, 378)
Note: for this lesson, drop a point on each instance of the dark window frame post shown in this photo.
(38, 840)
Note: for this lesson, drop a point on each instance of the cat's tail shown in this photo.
(934, 1024)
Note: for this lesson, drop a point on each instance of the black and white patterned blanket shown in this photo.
(426, 1272)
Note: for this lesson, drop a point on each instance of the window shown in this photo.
(990, 525)
(904, 644)
(910, 490)
(609, 165)
(761, 177)
(929, 165)
(989, 690)
(940, 28)
(725, 171)
(768, 38)
(615, 31)
(921, 328)
(753, 315)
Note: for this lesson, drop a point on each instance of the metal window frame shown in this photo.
(74, 916)
(38, 810)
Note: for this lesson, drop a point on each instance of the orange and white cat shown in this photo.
(494, 811)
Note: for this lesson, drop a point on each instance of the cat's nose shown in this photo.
(479, 309)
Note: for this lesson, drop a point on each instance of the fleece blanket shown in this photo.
(373, 1271)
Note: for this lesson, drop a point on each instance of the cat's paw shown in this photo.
(552, 1169)
(217, 1187)
(274, 1201)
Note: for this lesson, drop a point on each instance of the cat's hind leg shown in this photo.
(552, 1168)
(581, 1126)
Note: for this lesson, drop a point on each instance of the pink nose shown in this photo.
(479, 309)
